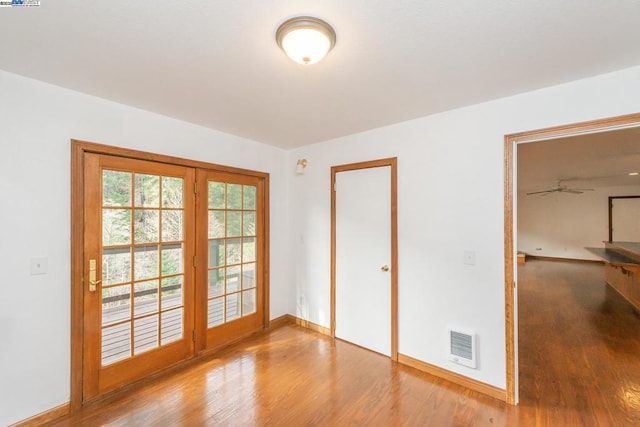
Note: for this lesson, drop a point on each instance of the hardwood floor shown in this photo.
(579, 346)
(293, 376)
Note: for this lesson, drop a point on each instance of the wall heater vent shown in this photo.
(462, 348)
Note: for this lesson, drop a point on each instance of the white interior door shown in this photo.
(363, 249)
(625, 220)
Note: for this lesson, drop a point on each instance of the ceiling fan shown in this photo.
(559, 188)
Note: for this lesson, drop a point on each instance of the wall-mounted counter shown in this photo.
(622, 268)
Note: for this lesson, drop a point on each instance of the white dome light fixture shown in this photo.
(305, 39)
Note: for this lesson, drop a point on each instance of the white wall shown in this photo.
(561, 225)
(37, 122)
(450, 200)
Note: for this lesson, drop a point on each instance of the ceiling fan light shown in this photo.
(305, 39)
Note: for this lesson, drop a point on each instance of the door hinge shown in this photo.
(195, 187)
(194, 261)
(193, 335)
(514, 284)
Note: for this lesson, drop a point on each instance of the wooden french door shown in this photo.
(168, 261)
(232, 253)
(138, 275)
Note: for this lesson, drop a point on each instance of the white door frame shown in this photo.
(392, 162)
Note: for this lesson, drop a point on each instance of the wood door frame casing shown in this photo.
(78, 150)
(510, 141)
(392, 162)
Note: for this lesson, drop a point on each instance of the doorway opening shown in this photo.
(511, 232)
(623, 220)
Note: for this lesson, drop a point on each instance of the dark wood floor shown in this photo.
(580, 365)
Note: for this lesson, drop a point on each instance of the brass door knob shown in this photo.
(384, 268)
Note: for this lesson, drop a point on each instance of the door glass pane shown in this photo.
(216, 282)
(172, 292)
(138, 317)
(145, 298)
(233, 251)
(171, 326)
(147, 191)
(216, 253)
(172, 189)
(249, 197)
(248, 276)
(146, 225)
(116, 343)
(233, 307)
(216, 224)
(248, 249)
(233, 279)
(116, 266)
(145, 262)
(172, 258)
(234, 196)
(116, 188)
(145, 334)
(215, 312)
(116, 304)
(234, 223)
(116, 227)
(172, 226)
(248, 302)
(217, 195)
(248, 223)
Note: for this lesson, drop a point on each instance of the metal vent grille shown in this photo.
(462, 348)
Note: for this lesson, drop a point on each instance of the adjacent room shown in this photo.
(564, 186)
(575, 196)
(310, 213)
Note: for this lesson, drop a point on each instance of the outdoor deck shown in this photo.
(116, 340)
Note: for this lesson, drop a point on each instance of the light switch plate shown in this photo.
(38, 265)
(470, 257)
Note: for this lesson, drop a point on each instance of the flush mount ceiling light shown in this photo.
(305, 39)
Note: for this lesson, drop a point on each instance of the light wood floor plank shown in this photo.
(580, 365)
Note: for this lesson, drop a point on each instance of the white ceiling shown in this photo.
(595, 160)
(216, 63)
